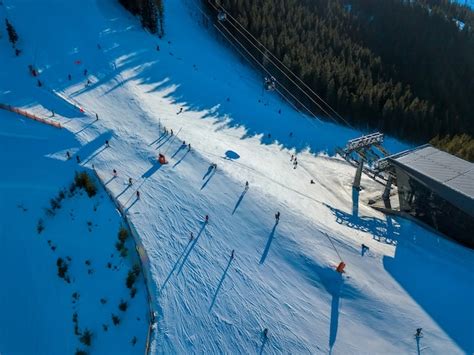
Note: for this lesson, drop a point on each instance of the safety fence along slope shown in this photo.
(144, 260)
(29, 115)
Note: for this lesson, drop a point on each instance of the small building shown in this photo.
(437, 188)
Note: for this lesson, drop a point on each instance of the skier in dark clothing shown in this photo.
(157, 48)
(277, 216)
(138, 195)
(85, 72)
(265, 333)
(78, 159)
(292, 157)
(189, 147)
(418, 333)
(39, 83)
(96, 117)
(246, 185)
(130, 182)
(115, 173)
(191, 236)
(232, 254)
(69, 77)
(312, 181)
(207, 218)
(107, 143)
(68, 155)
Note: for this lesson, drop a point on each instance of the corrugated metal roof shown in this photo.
(453, 172)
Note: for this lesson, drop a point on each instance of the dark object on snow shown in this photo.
(418, 333)
(96, 117)
(130, 182)
(68, 155)
(85, 72)
(78, 159)
(138, 195)
(207, 218)
(69, 77)
(162, 159)
(277, 216)
(312, 181)
(40, 84)
(232, 254)
(115, 173)
(265, 333)
(107, 143)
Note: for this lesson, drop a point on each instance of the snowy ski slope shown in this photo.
(282, 277)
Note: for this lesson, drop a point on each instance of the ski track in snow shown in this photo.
(282, 277)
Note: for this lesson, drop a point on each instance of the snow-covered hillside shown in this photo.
(282, 277)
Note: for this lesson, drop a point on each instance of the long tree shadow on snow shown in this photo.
(419, 256)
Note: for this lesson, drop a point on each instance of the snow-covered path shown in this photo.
(282, 277)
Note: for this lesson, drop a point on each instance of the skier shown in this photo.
(418, 333)
(184, 143)
(39, 83)
(68, 155)
(78, 159)
(52, 113)
(292, 157)
(88, 82)
(191, 237)
(130, 181)
(115, 173)
(96, 116)
(138, 195)
(232, 254)
(69, 77)
(157, 48)
(180, 110)
(107, 143)
(246, 185)
(214, 165)
(277, 216)
(312, 181)
(295, 164)
(85, 72)
(265, 333)
(207, 218)
(171, 132)
(269, 136)
(189, 147)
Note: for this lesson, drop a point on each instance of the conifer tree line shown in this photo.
(151, 13)
(405, 67)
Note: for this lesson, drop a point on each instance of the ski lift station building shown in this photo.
(438, 189)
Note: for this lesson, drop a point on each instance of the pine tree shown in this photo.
(12, 35)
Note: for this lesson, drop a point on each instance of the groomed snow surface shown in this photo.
(283, 275)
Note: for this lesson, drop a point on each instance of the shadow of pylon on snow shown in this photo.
(220, 283)
(269, 242)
